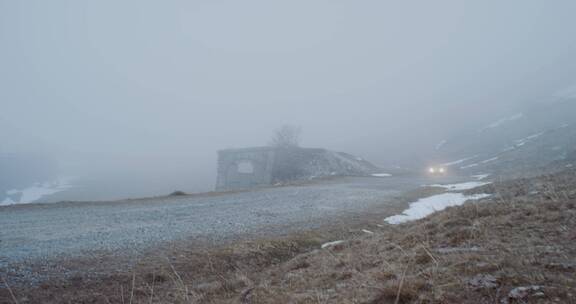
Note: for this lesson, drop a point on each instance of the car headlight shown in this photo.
(442, 170)
(432, 170)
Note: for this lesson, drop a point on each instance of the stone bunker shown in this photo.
(265, 166)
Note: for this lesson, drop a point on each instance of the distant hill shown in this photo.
(23, 162)
(18, 171)
(540, 137)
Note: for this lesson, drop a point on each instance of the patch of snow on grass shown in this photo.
(381, 175)
(523, 141)
(429, 205)
(469, 166)
(461, 186)
(326, 245)
(480, 176)
(489, 160)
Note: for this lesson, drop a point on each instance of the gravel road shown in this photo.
(43, 231)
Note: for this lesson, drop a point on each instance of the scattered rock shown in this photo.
(449, 250)
(297, 264)
(152, 278)
(539, 294)
(561, 266)
(209, 287)
(246, 296)
(521, 293)
(483, 281)
(178, 193)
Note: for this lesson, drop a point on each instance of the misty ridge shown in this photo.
(287, 152)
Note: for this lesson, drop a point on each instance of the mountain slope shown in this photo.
(541, 136)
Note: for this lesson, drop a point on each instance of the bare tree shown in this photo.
(286, 136)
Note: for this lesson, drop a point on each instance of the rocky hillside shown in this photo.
(299, 164)
(339, 163)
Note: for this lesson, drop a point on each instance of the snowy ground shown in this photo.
(429, 205)
(36, 192)
(381, 174)
(461, 186)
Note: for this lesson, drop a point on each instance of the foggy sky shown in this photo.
(154, 88)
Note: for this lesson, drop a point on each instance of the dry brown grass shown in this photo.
(524, 235)
(518, 240)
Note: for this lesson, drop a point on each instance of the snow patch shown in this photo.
(534, 136)
(326, 245)
(461, 186)
(502, 121)
(469, 166)
(429, 205)
(440, 145)
(523, 141)
(36, 192)
(459, 161)
(381, 175)
(481, 162)
(489, 160)
(480, 176)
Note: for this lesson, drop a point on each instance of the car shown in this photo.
(437, 170)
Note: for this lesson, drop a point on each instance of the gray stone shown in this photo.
(483, 281)
(520, 293)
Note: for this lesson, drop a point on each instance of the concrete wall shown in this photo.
(234, 165)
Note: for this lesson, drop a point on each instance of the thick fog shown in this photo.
(141, 94)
